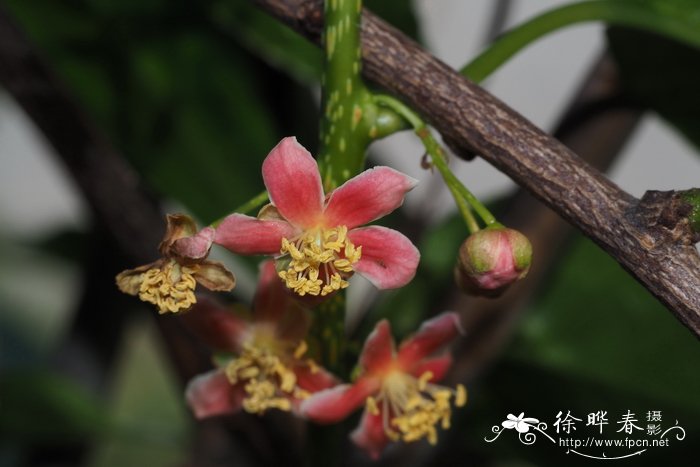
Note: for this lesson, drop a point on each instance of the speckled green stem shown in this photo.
(344, 137)
(692, 197)
(350, 121)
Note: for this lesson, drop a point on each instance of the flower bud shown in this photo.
(492, 259)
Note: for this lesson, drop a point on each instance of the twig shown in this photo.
(663, 259)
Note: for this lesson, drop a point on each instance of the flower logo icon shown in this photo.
(521, 424)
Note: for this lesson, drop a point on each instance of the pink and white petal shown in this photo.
(214, 276)
(334, 404)
(438, 366)
(293, 182)
(249, 236)
(389, 259)
(372, 194)
(313, 378)
(378, 351)
(211, 394)
(217, 326)
(370, 435)
(197, 246)
(432, 335)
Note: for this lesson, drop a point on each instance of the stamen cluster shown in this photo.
(412, 407)
(320, 261)
(169, 287)
(267, 381)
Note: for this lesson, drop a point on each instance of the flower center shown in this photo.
(412, 407)
(267, 381)
(170, 288)
(320, 261)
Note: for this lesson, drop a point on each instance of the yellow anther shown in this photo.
(316, 260)
(413, 407)
(372, 406)
(268, 382)
(461, 396)
(170, 288)
(300, 350)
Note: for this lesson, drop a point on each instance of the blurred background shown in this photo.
(192, 96)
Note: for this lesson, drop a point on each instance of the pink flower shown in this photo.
(270, 371)
(316, 238)
(398, 389)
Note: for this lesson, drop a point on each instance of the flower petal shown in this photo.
(314, 378)
(438, 366)
(195, 247)
(130, 280)
(378, 350)
(216, 325)
(212, 394)
(249, 236)
(370, 435)
(432, 335)
(509, 424)
(389, 260)
(333, 405)
(214, 276)
(294, 183)
(372, 194)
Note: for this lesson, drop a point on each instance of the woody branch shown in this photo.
(650, 237)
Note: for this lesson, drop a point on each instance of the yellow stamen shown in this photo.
(267, 381)
(170, 288)
(320, 261)
(412, 407)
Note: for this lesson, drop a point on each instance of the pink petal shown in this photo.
(333, 405)
(378, 350)
(432, 335)
(249, 236)
(217, 326)
(438, 366)
(389, 260)
(371, 195)
(314, 379)
(212, 394)
(370, 435)
(196, 246)
(294, 183)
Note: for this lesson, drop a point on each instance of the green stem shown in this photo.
(344, 135)
(255, 202)
(619, 12)
(692, 197)
(463, 197)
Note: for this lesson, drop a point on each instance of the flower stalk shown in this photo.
(464, 198)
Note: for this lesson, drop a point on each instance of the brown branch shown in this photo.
(668, 266)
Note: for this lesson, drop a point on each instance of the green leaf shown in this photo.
(661, 74)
